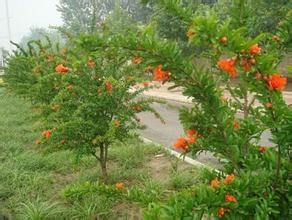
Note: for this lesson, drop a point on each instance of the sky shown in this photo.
(25, 14)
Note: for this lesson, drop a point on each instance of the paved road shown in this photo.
(167, 133)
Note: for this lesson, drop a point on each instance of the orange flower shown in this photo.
(191, 132)
(120, 185)
(189, 34)
(51, 57)
(47, 134)
(228, 179)
(63, 142)
(146, 84)
(258, 75)
(192, 136)
(191, 140)
(159, 74)
(246, 65)
(255, 49)
(61, 69)
(262, 149)
(137, 108)
(137, 60)
(228, 66)
(108, 86)
(223, 40)
(70, 88)
(236, 125)
(215, 183)
(276, 82)
(117, 123)
(221, 212)
(230, 198)
(38, 142)
(181, 143)
(91, 63)
(63, 51)
(269, 105)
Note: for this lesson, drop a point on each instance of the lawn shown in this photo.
(36, 183)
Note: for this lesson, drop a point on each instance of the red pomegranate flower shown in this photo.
(223, 40)
(215, 183)
(276, 82)
(236, 125)
(108, 86)
(161, 75)
(262, 149)
(181, 143)
(228, 66)
(228, 179)
(61, 69)
(255, 49)
(120, 185)
(221, 212)
(47, 134)
(230, 198)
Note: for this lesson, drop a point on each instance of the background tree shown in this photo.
(41, 34)
(88, 15)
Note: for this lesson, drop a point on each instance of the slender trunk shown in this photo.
(245, 105)
(278, 163)
(245, 112)
(103, 162)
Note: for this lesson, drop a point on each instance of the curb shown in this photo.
(186, 101)
(179, 98)
(178, 155)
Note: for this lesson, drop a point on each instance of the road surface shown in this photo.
(166, 134)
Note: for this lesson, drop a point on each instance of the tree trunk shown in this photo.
(103, 162)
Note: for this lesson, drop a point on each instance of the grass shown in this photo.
(35, 184)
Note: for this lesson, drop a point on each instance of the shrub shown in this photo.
(257, 175)
(85, 94)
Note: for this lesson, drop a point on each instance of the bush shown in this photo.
(253, 181)
(84, 93)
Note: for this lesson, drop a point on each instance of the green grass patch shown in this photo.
(37, 184)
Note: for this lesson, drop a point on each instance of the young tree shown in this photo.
(84, 93)
(253, 181)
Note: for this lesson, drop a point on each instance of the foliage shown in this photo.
(264, 20)
(84, 93)
(41, 34)
(85, 98)
(38, 210)
(89, 15)
(33, 181)
(212, 124)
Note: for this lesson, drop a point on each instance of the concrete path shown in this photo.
(167, 133)
(161, 91)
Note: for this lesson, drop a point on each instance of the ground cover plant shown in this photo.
(36, 184)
